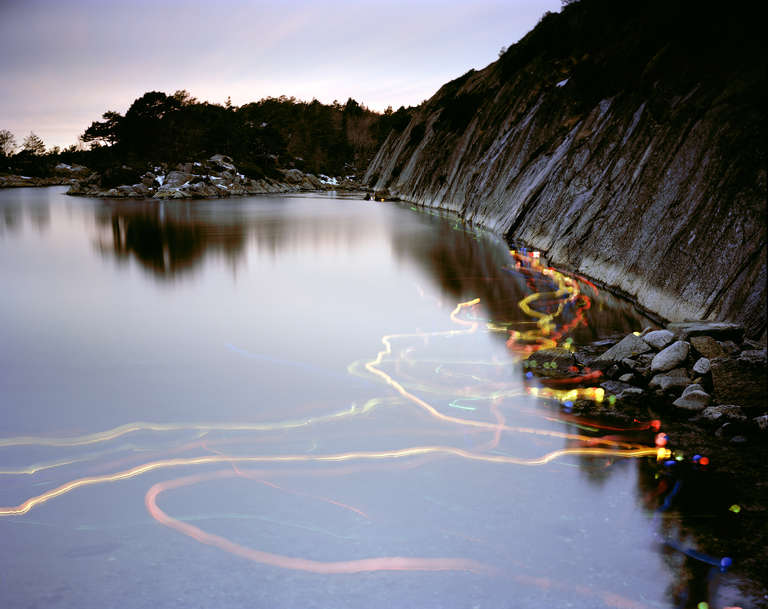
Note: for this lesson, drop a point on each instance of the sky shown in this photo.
(63, 64)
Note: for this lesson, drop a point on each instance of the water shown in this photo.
(224, 360)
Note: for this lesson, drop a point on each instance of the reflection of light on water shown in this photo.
(480, 399)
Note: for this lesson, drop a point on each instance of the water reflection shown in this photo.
(166, 239)
(299, 422)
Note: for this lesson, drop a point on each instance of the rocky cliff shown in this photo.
(624, 141)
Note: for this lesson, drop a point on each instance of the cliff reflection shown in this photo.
(464, 263)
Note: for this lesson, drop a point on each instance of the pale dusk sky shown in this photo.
(62, 64)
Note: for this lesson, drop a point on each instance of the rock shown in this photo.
(739, 381)
(691, 387)
(670, 357)
(628, 346)
(693, 400)
(701, 366)
(149, 180)
(706, 346)
(716, 329)
(727, 412)
(658, 339)
(729, 347)
(754, 356)
(141, 190)
(622, 391)
(725, 431)
(175, 179)
(222, 162)
(293, 176)
(673, 381)
(738, 440)
(761, 422)
(640, 364)
(550, 362)
(627, 378)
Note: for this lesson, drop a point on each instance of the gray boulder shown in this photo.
(716, 329)
(175, 179)
(670, 357)
(723, 412)
(702, 366)
(691, 387)
(658, 339)
(222, 162)
(628, 346)
(622, 391)
(754, 356)
(673, 381)
(693, 400)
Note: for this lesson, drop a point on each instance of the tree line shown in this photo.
(262, 136)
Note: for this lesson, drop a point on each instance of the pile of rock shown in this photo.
(704, 370)
(214, 178)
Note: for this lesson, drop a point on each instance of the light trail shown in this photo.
(383, 563)
(72, 485)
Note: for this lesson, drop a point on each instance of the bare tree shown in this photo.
(7, 143)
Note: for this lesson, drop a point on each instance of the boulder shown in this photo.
(658, 339)
(222, 162)
(149, 180)
(640, 364)
(673, 381)
(719, 330)
(670, 357)
(175, 179)
(628, 346)
(706, 346)
(754, 357)
(293, 176)
(627, 378)
(702, 366)
(729, 347)
(739, 381)
(550, 362)
(723, 412)
(622, 391)
(691, 387)
(693, 400)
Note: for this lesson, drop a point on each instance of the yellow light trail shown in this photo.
(37, 500)
(116, 432)
(371, 367)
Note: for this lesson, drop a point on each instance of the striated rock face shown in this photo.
(629, 150)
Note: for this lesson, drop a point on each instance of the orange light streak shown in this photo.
(383, 563)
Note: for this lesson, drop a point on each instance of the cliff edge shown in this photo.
(624, 140)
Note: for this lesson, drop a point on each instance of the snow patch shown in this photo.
(562, 83)
(324, 179)
(160, 179)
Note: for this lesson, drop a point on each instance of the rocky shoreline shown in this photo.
(64, 174)
(216, 177)
(703, 372)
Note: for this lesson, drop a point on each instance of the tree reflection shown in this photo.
(167, 241)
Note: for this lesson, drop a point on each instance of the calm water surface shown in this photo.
(214, 377)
